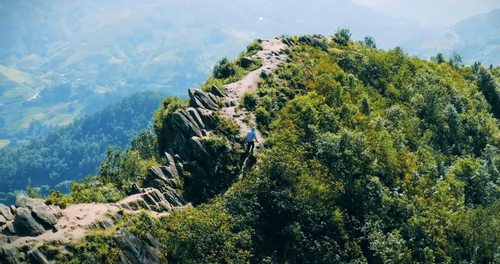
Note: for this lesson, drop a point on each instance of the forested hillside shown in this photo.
(371, 156)
(74, 151)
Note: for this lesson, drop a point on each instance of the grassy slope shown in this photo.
(16, 86)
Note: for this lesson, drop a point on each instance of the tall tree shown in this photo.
(487, 85)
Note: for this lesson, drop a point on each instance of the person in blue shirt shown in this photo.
(251, 136)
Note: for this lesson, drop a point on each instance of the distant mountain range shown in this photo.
(62, 59)
(476, 39)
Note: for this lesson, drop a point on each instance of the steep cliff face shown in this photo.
(203, 151)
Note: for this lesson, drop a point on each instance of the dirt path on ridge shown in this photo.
(271, 56)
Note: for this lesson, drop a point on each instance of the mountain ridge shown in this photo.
(370, 156)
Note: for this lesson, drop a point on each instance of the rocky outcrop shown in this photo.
(6, 213)
(44, 215)
(246, 62)
(201, 99)
(161, 192)
(134, 250)
(25, 224)
(217, 91)
(314, 41)
(10, 255)
(38, 257)
(32, 217)
(3, 221)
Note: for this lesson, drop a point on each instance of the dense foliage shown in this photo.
(72, 152)
(371, 157)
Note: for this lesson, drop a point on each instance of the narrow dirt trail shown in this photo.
(74, 224)
(272, 55)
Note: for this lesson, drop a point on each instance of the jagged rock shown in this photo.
(313, 42)
(208, 118)
(123, 259)
(27, 225)
(246, 62)
(10, 256)
(153, 200)
(156, 200)
(136, 189)
(203, 100)
(11, 228)
(161, 189)
(6, 213)
(3, 221)
(43, 214)
(38, 257)
(103, 224)
(22, 200)
(159, 177)
(4, 239)
(319, 43)
(288, 41)
(218, 91)
(198, 150)
(154, 242)
(194, 117)
(135, 250)
(305, 40)
(183, 122)
(134, 202)
(230, 103)
(13, 209)
(180, 168)
(39, 210)
(174, 199)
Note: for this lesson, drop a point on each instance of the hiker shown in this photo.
(251, 136)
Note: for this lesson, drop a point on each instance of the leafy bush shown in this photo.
(205, 234)
(226, 126)
(224, 69)
(249, 101)
(56, 198)
(263, 118)
(253, 48)
(342, 37)
(168, 107)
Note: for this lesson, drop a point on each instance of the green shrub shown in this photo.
(253, 48)
(168, 107)
(226, 126)
(56, 198)
(263, 74)
(224, 69)
(250, 101)
(263, 118)
(246, 119)
(342, 37)
(204, 234)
